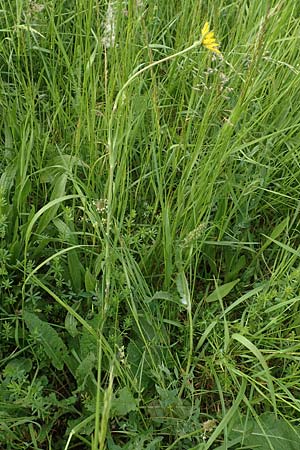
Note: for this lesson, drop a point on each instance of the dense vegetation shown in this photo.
(149, 225)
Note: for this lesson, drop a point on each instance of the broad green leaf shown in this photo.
(75, 267)
(269, 433)
(162, 295)
(238, 265)
(183, 290)
(85, 369)
(87, 343)
(266, 432)
(45, 334)
(168, 397)
(71, 325)
(123, 403)
(65, 232)
(138, 363)
(89, 281)
(17, 366)
(222, 291)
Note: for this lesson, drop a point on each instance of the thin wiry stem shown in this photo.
(112, 152)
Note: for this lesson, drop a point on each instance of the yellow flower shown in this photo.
(208, 39)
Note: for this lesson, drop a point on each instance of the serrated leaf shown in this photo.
(88, 343)
(85, 369)
(167, 397)
(123, 403)
(17, 366)
(43, 332)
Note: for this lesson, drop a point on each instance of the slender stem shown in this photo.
(112, 152)
(154, 63)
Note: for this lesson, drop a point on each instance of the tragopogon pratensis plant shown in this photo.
(208, 40)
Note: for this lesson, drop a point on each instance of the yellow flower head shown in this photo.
(208, 39)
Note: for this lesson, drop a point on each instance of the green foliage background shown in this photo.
(149, 247)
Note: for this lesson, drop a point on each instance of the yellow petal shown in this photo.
(209, 35)
(213, 49)
(205, 29)
(209, 41)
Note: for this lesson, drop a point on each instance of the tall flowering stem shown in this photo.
(112, 153)
(207, 40)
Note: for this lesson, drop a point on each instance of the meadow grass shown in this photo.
(149, 225)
